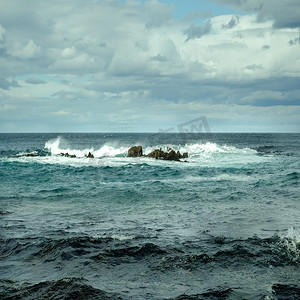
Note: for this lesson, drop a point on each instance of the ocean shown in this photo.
(222, 224)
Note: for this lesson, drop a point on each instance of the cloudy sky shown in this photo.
(135, 66)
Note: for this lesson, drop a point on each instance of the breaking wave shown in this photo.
(55, 148)
(60, 151)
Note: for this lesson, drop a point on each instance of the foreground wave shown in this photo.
(100, 254)
(275, 251)
(78, 288)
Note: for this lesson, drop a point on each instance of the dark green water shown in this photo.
(223, 225)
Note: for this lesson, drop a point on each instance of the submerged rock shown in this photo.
(31, 155)
(67, 155)
(135, 151)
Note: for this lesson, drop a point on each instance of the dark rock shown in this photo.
(169, 155)
(89, 155)
(157, 154)
(172, 155)
(68, 155)
(135, 151)
(32, 155)
(185, 155)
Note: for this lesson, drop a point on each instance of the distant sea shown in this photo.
(224, 224)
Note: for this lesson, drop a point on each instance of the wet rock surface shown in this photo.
(89, 155)
(67, 155)
(135, 151)
(170, 154)
(32, 154)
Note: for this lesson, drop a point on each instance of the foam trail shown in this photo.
(209, 149)
(205, 150)
(107, 151)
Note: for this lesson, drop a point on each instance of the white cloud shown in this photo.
(68, 52)
(80, 63)
(27, 51)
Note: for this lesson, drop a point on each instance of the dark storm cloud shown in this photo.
(286, 14)
(19, 17)
(197, 31)
(34, 81)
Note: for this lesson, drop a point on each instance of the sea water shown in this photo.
(222, 224)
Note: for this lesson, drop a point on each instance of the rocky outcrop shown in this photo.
(169, 155)
(135, 151)
(89, 155)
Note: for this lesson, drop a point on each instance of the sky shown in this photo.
(149, 66)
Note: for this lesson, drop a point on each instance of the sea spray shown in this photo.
(54, 146)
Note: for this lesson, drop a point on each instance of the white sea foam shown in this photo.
(205, 154)
(194, 150)
(116, 237)
(54, 146)
(290, 243)
(207, 149)
(27, 153)
(210, 149)
(293, 235)
(212, 154)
